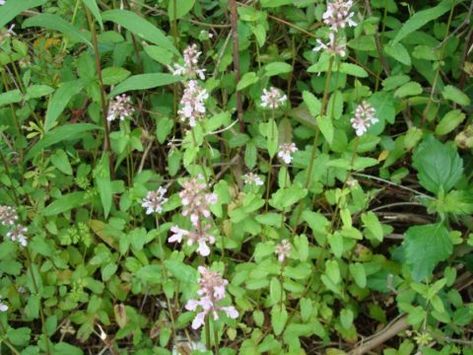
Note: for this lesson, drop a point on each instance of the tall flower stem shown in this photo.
(208, 340)
(103, 96)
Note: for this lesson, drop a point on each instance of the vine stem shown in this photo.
(103, 99)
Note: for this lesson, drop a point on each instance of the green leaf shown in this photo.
(371, 222)
(284, 198)
(411, 88)
(114, 75)
(326, 127)
(346, 318)
(398, 52)
(275, 290)
(335, 105)
(424, 247)
(277, 68)
(57, 23)
(11, 9)
(358, 273)
(439, 166)
(104, 184)
(37, 91)
(421, 18)
(246, 80)
(59, 101)
(332, 270)
(272, 134)
(456, 95)
(279, 318)
(94, 9)
(144, 82)
(183, 7)
(150, 274)
(160, 54)
(61, 162)
(10, 97)
(60, 134)
(65, 203)
(353, 70)
(449, 122)
(313, 104)
(181, 271)
(141, 27)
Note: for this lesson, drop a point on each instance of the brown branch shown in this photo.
(236, 59)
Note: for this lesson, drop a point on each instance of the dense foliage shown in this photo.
(262, 176)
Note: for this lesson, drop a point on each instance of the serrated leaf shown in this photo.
(114, 75)
(424, 247)
(326, 127)
(439, 166)
(279, 318)
(246, 80)
(104, 184)
(277, 68)
(449, 122)
(454, 94)
(65, 203)
(411, 88)
(398, 52)
(61, 162)
(313, 104)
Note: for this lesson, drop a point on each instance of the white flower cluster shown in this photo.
(283, 250)
(17, 232)
(120, 107)
(252, 179)
(191, 64)
(3, 306)
(196, 203)
(365, 116)
(285, 152)
(211, 291)
(192, 105)
(273, 98)
(154, 201)
(337, 16)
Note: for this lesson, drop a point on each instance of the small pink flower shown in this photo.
(338, 14)
(190, 68)
(120, 107)
(272, 98)
(365, 116)
(285, 152)
(332, 47)
(192, 105)
(154, 201)
(283, 250)
(8, 215)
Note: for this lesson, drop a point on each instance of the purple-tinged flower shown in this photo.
(120, 107)
(338, 14)
(2, 2)
(192, 105)
(365, 116)
(196, 200)
(18, 234)
(211, 291)
(272, 98)
(190, 68)
(285, 152)
(332, 47)
(252, 179)
(154, 201)
(200, 237)
(283, 250)
(8, 215)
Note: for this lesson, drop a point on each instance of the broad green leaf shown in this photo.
(456, 95)
(60, 134)
(246, 80)
(383, 103)
(114, 75)
(284, 198)
(61, 162)
(332, 270)
(160, 54)
(326, 127)
(59, 101)
(144, 82)
(150, 274)
(420, 18)
(353, 70)
(94, 9)
(449, 122)
(371, 222)
(10, 97)
(411, 88)
(313, 104)
(139, 26)
(279, 318)
(104, 184)
(424, 247)
(398, 52)
(272, 134)
(358, 273)
(11, 9)
(275, 3)
(37, 91)
(277, 68)
(181, 271)
(275, 290)
(183, 7)
(57, 23)
(439, 166)
(346, 318)
(335, 105)
(65, 203)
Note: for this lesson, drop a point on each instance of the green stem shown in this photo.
(103, 100)
(207, 333)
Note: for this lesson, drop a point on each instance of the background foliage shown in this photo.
(379, 225)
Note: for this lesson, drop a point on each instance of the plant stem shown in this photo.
(208, 341)
(103, 99)
(236, 59)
